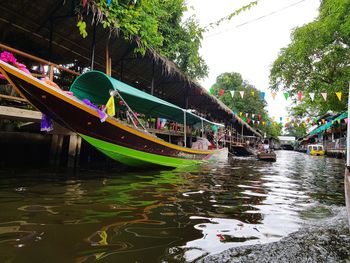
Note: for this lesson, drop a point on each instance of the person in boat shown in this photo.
(200, 143)
(266, 146)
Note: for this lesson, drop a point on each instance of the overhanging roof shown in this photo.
(48, 30)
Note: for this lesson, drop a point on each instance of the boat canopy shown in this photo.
(329, 124)
(96, 86)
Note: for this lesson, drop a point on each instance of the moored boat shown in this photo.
(123, 142)
(315, 150)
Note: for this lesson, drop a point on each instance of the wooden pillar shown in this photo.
(107, 57)
(73, 150)
(56, 149)
(152, 83)
(93, 47)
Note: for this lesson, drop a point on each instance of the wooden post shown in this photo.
(185, 129)
(93, 47)
(56, 148)
(152, 82)
(73, 150)
(51, 72)
(107, 58)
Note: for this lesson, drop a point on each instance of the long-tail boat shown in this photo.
(128, 144)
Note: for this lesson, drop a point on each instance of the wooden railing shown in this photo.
(51, 65)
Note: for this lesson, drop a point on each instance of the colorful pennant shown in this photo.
(338, 95)
(324, 95)
(242, 94)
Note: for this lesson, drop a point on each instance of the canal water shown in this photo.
(162, 216)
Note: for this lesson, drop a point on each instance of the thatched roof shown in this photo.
(26, 25)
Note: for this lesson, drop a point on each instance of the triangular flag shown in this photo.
(109, 2)
(346, 120)
(259, 116)
(222, 92)
(300, 95)
(248, 120)
(84, 3)
(262, 94)
(323, 121)
(253, 121)
(253, 93)
(324, 95)
(240, 113)
(338, 121)
(332, 121)
(312, 96)
(280, 119)
(258, 122)
(110, 106)
(232, 93)
(273, 94)
(242, 94)
(268, 123)
(211, 90)
(253, 115)
(286, 95)
(246, 114)
(338, 95)
(287, 119)
(263, 123)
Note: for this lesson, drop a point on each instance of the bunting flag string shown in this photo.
(242, 94)
(338, 95)
(312, 96)
(299, 96)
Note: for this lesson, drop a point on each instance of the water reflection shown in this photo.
(169, 216)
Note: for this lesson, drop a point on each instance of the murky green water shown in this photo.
(162, 216)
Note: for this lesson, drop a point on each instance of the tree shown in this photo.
(252, 103)
(317, 60)
(155, 25)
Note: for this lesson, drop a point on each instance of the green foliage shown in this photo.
(317, 60)
(250, 104)
(82, 28)
(233, 14)
(296, 130)
(156, 25)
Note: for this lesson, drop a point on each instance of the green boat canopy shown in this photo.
(96, 86)
(326, 126)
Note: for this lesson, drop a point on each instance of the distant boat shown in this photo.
(266, 156)
(265, 153)
(315, 150)
(128, 144)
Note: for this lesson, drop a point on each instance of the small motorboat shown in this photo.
(265, 152)
(315, 150)
(269, 156)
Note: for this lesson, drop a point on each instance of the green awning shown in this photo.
(326, 126)
(95, 86)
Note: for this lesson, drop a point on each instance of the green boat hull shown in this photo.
(136, 158)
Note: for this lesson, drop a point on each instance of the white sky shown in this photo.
(252, 48)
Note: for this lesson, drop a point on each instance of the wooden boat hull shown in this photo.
(347, 191)
(269, 157)
(113, 138)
